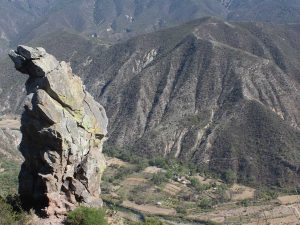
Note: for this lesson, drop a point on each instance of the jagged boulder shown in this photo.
(63, 131)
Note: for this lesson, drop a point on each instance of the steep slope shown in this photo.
(221, 95)
(18, 15)
(24, 20)
(226, 102)
(118, 20)
(275, 11)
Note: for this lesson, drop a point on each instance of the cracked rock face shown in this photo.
(63, 131)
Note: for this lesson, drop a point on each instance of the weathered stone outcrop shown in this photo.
(63, 131)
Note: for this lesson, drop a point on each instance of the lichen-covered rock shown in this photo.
(63, 131)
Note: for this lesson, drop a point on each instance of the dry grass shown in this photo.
(240, 192)
(173, 188)
(152, 170)
(115, 161)
(133, 181)
(289, 199)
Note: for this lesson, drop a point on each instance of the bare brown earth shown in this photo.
(152, 170)
(133, 181)
(10, 123)
(204, 180)
(173, 188)
(240, 192)
(289, 199)
(261, 215)
(115, 161)
(35, 220)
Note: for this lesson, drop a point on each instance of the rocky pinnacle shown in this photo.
(63, 130)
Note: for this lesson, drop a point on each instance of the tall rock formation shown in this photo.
(63, 131)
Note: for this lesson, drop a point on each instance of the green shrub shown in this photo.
(198, 186)
(87, 216)
(141, 165)
(194, 182)
(205, 203)
(244, 202)
(222, 193)
(212, 223)
(230, 177)
(122, 173)
(159, 162)
(169, 174)
(265, 194)
(8, 178)
(150, 222)
(8, 216)
(181, 210)
(159, 178)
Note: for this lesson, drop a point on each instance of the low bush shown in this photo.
(205, 203)
(159, 178)
(198, 186)
(266, 194)
(150, 222)
(86, 216)
(244, 202)
(181, 210)
(10, 217)
(222, 193)
(230, 177)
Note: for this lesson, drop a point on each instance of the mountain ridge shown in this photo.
(197, 94)
(28, 18)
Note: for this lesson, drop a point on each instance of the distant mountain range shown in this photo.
(117, 20)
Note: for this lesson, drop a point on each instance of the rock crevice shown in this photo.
(63, 130)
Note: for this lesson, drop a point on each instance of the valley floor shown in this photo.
(134, 191)
(179, 202)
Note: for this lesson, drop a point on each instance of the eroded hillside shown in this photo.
(221, 95)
